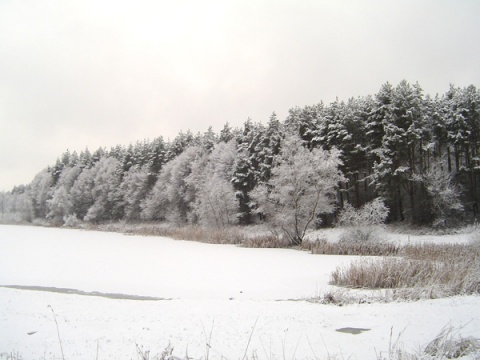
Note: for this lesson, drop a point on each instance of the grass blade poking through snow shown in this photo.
(58, 331)
(249, 339)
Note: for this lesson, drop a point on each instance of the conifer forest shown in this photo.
(417, 153)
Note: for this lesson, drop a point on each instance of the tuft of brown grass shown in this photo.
(211, 235)
(441, 252)
(196, 233)
(427, 271)
(346, 247)
(265, 241)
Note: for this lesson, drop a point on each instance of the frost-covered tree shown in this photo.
(463, 132)
(181, 142)
(343, 125)
(209, 139)
(444, 196)
(216, 203)
(134, 189)
(267, 147)
(304, 123)
(400, 154)
(302, 187)
(172, 197)
(105, 191)
(60, 205)
(246, 169)
(390, 146)
(16, 206)
(156, 159)
(226, 134)
(81, 193)
(40, 191)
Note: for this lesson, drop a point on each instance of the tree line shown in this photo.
(418, 154)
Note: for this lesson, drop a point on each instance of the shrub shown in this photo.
(363, 225)
(373, 213)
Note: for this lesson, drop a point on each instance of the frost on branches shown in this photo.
(302, 187)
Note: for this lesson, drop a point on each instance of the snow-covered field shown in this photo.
(236, 300)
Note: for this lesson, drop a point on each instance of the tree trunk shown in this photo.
(357, 190)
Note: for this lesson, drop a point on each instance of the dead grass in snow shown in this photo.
(423, 271)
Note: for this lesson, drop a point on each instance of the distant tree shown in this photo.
(245, 176)
(134, 189)
(85, 159)
(343, 125)
(40, 191)
(209, 139)
(16, 206)
(399, 158)
(172, 197)
(302, 187)
(226, 134)
(267, 147)
(463, 132)
(105, 191)
(444, 197)
(60, 205)
(304, 123)
(216, 203)
(156, 159)
(181, 142)
(81, 193)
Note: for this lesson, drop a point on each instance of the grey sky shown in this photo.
(90, 73)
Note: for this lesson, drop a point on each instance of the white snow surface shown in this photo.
(223, 301)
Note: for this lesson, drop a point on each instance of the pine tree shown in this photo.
(245, 175)
(304, 122)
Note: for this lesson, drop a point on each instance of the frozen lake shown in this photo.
(155, 266)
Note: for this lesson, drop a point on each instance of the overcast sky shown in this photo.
(91, 73)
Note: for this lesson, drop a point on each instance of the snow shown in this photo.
(464, 236)
(155, 266)
(229, 292)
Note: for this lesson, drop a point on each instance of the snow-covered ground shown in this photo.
(220, 295)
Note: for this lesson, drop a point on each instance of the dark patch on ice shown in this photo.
(84, 293)
(353, 331)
